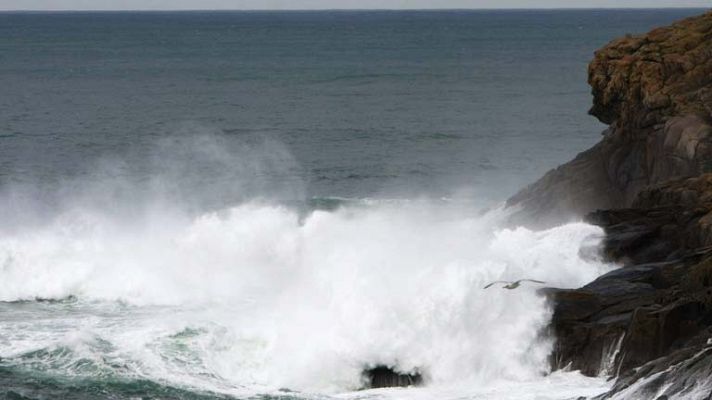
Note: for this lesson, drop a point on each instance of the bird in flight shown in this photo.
(512, 284)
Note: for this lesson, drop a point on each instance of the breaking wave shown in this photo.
(139, 282)
(273, 298)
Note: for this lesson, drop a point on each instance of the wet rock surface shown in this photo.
(647, 316)
(383, 376)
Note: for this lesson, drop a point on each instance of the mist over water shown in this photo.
(196, 168)
(261, 205)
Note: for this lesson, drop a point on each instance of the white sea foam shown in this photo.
(258, 297)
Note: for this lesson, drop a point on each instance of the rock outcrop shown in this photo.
(655, 92)
(648, 183)
(655, 313)
(383, 376)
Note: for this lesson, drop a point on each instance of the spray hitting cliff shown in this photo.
(648, 183)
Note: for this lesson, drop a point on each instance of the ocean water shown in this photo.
(210, 205)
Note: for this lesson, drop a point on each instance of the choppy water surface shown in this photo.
(261, 205)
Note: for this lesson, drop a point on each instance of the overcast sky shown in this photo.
(331, 4)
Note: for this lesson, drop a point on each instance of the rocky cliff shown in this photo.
(648, 183)
(655, 93)
(649, 322)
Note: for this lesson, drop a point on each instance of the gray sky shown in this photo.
(331, 4)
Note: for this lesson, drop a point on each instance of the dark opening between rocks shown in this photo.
(382, 376)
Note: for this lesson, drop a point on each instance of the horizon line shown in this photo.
(19, 10)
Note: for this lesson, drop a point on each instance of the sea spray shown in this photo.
(258, 297)
(185, 172)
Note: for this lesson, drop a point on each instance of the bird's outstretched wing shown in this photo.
(531, 280)
(494, 283)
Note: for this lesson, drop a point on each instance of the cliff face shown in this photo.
(655, 92)
(650, 320)
(648, 183)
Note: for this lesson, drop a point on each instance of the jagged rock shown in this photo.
(654, 307)
(637, 81)
(665, 222)
(684, 373)
(589, 322)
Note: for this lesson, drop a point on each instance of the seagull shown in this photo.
(513, 284)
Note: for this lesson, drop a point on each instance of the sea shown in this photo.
(263, 205)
